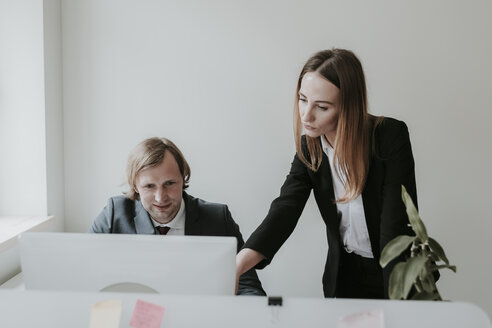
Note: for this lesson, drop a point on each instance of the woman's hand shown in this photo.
(245, 260)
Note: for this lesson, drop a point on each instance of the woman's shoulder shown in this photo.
(389, 125)
(389, 128)
(390, 133)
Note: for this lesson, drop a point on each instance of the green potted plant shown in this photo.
(426, 257)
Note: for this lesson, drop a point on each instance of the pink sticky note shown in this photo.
(147, 315)
(366, 319)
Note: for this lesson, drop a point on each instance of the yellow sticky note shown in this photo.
(106, 314)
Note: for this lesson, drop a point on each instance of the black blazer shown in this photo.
(391, 166)
(123, 215)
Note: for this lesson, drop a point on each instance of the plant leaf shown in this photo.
(413, 215)
(427, 285)
(394, 248)
(437, 249)
(451, 267)
(395, 284)
(403, 276)
(412, 269)
(418, 286)
(427, 296)
(434, 257)
(427, 279)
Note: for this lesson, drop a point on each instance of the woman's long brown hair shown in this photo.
(353, 137)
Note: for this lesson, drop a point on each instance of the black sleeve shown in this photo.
(104, 221)
(249, 284)
(399, 166)
(283, 215)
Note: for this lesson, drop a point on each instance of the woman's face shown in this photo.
(318, 106)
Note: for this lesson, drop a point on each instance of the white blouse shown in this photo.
(353, 227)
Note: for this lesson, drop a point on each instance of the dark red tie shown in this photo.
(162, 230)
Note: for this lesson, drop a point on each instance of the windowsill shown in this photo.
(16, 282)
(11, 227)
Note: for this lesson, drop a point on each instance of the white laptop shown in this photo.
(196, 265)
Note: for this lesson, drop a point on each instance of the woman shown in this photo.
(355, 164)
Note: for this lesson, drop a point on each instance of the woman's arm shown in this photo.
(399, 170)
(246, 259)
(247, 282)
(282, 218)
(283, 215)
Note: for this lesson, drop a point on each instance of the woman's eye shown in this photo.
(302, 100)
(322, 108)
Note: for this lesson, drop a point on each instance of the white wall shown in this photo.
(22, 121)
(218, 78)
(31, 127)
(55, 183)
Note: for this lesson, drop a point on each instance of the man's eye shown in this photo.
(149, 186)
(170, 183)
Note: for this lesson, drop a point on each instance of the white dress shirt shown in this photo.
(353, 227)
(177, 225)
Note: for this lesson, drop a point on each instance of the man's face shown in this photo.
(161, 189)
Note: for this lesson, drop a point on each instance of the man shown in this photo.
(158, 174)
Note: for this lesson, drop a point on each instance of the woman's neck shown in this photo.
(331, 138)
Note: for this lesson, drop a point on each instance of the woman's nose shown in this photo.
(307, 115)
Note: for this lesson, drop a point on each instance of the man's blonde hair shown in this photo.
(150, 153)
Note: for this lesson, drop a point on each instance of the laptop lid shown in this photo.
(141, 263)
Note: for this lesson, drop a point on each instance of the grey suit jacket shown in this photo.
(123, 215)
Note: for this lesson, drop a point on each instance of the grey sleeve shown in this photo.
(104, 221)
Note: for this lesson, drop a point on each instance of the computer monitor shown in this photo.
(194, 265)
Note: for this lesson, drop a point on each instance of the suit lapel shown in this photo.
(143, 223)
(371, 200)
(192, 219)
(325, 196)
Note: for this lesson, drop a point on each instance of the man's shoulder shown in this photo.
(123, 204)
(215, 218)
(203, 204)
(117, 216)
(121, 200)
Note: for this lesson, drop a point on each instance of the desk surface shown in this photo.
(72, 309)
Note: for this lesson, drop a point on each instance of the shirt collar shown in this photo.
(178, 222)
(327, 148)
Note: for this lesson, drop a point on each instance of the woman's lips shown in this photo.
(308, 127)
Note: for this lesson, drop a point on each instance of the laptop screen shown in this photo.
(196, 265)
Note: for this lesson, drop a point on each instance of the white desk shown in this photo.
(72, 309)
